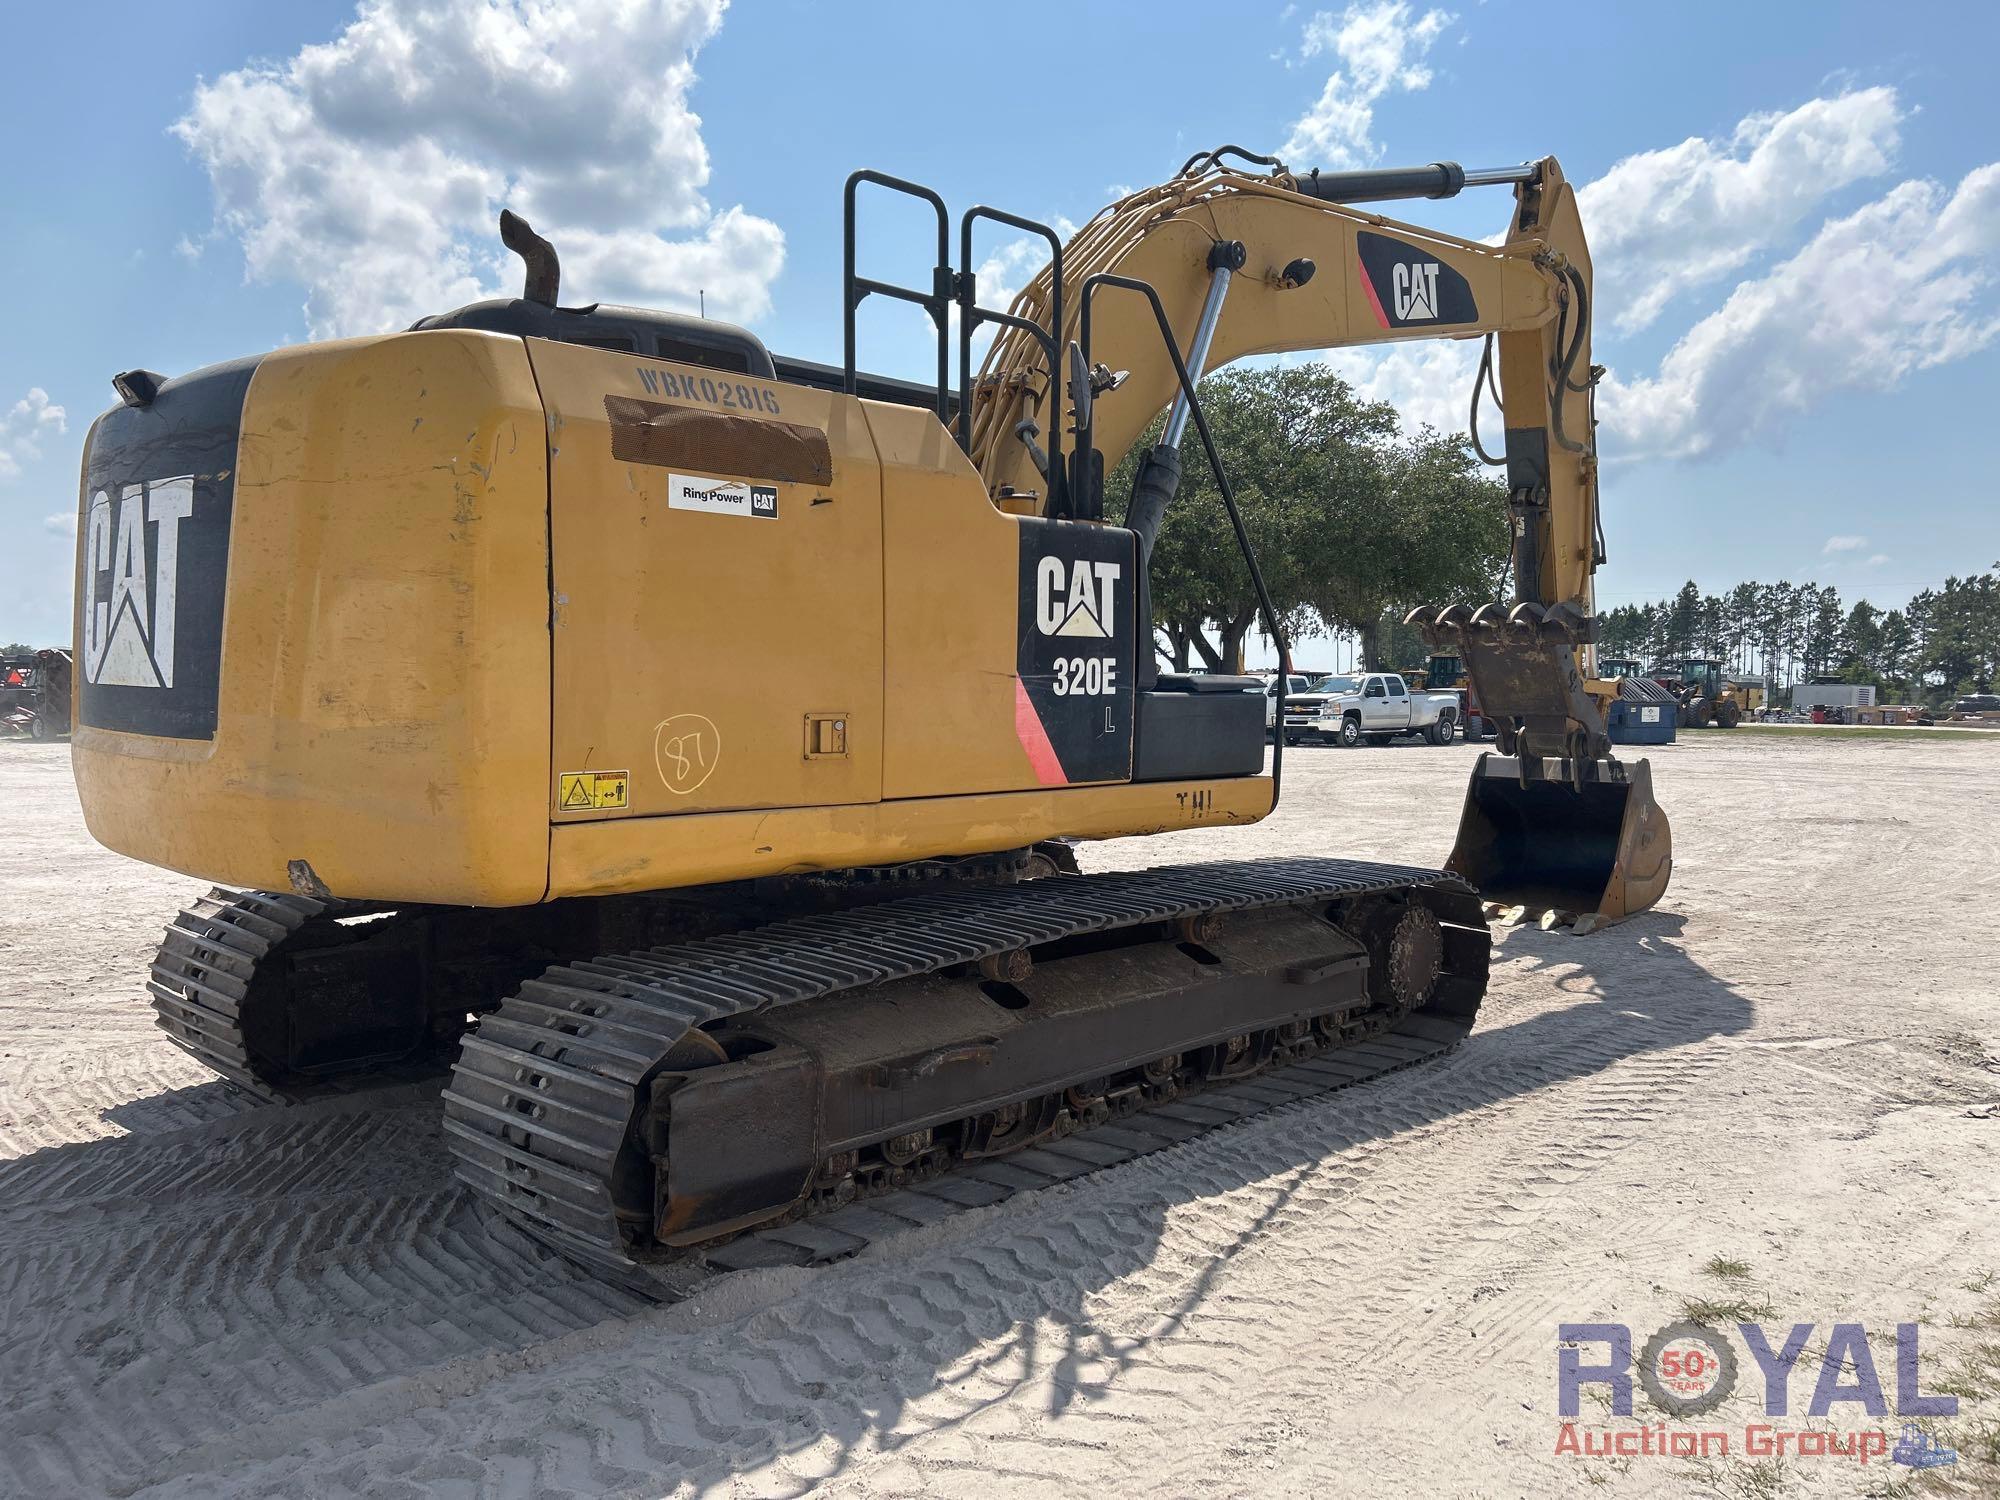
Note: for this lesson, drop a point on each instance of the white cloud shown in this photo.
(1665, 221)
(62, 523)
(1429, 383)
(371, 168)
(1876, 560)
(30, 421)
(1011, 266)
(1381, 48)
(1902, 284)
(1843, 544)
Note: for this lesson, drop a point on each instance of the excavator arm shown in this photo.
(1262, 264)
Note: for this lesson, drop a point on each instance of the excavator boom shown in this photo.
(1261, 264)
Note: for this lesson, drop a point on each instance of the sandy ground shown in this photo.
(1769, 1094)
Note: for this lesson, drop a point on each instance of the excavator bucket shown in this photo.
(1555, 827)
(1588, 852)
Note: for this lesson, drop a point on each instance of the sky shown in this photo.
(1794, 211)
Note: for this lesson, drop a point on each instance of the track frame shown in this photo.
(554, 1112)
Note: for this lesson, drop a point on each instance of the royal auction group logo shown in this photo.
(1688, 1370)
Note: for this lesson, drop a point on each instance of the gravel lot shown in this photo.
(1772, 1096)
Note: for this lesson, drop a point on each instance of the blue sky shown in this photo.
(1795, 210)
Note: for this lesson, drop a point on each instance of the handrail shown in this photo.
(1085, 444)
(971, 315)
(855, 289)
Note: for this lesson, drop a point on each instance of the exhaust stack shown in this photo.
(544, 270)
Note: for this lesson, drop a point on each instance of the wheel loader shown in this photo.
(1706, 698)
(444, 654)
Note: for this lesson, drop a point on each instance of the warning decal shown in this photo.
(582, 791)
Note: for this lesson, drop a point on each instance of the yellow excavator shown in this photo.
(688, 746)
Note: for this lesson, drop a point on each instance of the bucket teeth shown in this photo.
(1448, 625)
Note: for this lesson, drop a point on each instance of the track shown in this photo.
(201, 977)
(545, 1093)
(228, 965)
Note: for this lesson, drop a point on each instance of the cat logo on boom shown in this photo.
(1406, 285)
(1075, 598)
(128, 608)
(1416, 290)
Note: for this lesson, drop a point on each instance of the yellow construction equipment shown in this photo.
(713, 730)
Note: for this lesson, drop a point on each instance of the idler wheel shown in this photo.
(1416, 956)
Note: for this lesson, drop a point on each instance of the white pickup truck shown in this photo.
(1378, 706)
(1298, 682)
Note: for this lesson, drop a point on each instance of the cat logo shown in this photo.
(1075, 598)
(1407, 285)
(128, 609)
(1415, 289)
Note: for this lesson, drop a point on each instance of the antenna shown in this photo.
(701, 297)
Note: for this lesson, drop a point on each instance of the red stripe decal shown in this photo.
(1369, 287)
(1035, 739)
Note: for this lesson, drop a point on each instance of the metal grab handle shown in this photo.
(971, 315)
(1086, 443)
(937, 302)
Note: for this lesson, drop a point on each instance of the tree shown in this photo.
(1962, 643)
(1712, 636)
(1823, 621)
(1896, 649)
(1861, 640)
(1682, 628)
(1781, 626)
(1622, 631)
(1434, 531)
(1349, 520)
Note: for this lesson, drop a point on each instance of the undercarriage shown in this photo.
(639, 1078)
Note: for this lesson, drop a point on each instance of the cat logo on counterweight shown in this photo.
(129, 608)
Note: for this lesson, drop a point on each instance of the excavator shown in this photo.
(446, 654)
